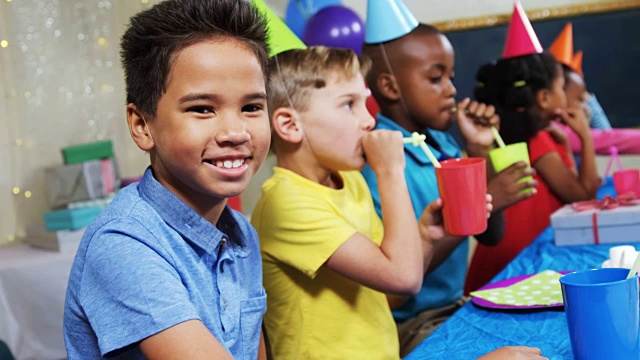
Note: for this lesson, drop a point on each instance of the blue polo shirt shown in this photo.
(149, 262)
(443, 285)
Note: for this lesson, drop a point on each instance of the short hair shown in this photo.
(379, 63)
(155, 36)
(511, 86)
(294, 73)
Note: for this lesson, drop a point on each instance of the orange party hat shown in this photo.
(562, 47)
(521, 39)
(576, 62)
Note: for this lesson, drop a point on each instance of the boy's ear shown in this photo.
(543, 98)
(139, 129)
(286, 124)
(388, 86)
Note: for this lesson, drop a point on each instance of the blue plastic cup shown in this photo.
(603, 314)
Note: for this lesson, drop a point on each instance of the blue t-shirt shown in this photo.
(149, 262)
(443, 285)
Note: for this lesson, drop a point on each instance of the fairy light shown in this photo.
(4, 43)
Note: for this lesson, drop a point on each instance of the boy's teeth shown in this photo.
(230, 164)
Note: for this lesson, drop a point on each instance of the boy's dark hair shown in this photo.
(156, 35)
(511, 86)
(379, 64)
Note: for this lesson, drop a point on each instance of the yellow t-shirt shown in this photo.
(313, 312)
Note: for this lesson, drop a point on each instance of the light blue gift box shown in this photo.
(619, 225)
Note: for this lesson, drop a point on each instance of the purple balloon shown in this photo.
(335, 26)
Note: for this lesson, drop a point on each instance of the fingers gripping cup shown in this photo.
(463, 187)
(503, 157)
(603, 314)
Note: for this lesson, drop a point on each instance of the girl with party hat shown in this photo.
(527, 88)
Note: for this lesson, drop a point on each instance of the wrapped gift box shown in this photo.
(70, 219)
(79, 182)
(64, 241)
(596, 226)
(87, 152)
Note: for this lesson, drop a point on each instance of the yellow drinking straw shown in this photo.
(496, 135)
(419, 140)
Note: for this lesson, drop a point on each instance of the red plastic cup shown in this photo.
(625, 181)
(463, 188)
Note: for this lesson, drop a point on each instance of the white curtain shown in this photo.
(60, 84)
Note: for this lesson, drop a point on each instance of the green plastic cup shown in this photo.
(503, 157)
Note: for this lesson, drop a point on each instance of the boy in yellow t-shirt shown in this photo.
(327, 261)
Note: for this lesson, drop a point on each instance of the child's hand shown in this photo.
(384, 150)
(432, 223)
(475, 120)
(505, 189)
(515, 353)
(576, 118)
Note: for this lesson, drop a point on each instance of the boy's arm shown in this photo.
(396, 266)
(187, 340)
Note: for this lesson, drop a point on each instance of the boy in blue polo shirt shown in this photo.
(168, 270)
(411, 79)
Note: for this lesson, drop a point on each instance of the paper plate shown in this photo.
(505, 283)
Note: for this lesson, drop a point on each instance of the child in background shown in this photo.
(168, 270)
(528, 92)
(411, 80)
(327, 260)
(627, 141)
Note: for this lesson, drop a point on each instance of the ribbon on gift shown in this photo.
(607, 203)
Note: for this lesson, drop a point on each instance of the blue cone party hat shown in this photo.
(387, 20)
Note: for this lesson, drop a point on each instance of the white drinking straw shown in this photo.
(419, 140)
(634, 267)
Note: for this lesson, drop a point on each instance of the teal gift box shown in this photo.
(70, 219)
(87, 152)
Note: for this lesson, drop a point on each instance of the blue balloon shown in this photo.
(300, 11)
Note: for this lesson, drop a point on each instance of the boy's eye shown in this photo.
(436, 79)
(348, 105)
(201, 109)
(251, 108)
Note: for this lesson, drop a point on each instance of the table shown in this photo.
(33, 285)
(474, 331)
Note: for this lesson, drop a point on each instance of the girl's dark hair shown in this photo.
(511, 86)
(156, 35)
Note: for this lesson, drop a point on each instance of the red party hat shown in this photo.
(521, 39)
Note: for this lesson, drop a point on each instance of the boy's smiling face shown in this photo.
(423, 65)
(335, 122)
(211, 131)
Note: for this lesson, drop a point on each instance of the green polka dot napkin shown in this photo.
(540, 289)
